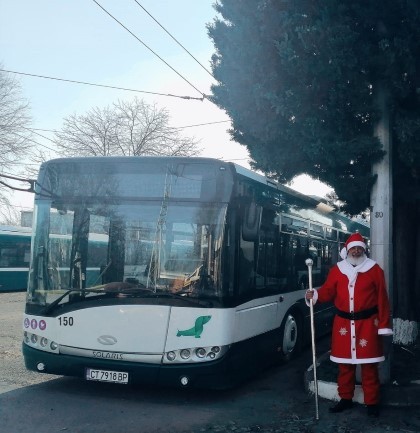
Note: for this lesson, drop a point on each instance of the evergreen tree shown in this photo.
(299, 79)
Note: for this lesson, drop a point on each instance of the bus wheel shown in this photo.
(291, 338)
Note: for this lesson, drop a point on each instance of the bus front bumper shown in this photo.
(209, 375)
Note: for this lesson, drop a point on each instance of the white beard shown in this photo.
(356, 261)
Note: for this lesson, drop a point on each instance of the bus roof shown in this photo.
(13, 230)
(317, 204)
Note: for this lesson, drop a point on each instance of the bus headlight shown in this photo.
(53, 345)
(170, 356)
(185, 353)
(39, 342)
(200, 352)
(194, 354)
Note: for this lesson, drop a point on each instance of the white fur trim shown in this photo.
(385, 331)
(357, 360)
(356, 244)
(347, 269)
(343, 253)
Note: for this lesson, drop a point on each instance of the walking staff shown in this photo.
(309, 264)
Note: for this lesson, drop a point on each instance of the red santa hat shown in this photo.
(354, 240)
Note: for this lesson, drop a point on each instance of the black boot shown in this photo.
(373, 410)
(343, 404)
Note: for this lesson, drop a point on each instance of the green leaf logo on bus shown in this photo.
(197, 329)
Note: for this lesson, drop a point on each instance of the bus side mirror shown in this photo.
(251, 222)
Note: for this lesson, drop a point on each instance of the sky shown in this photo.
(79, 40)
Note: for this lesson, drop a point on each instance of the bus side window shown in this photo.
(5, 253)
(251, 222)
(14, 255)
(246, 267)
(269, 253)
(299, 255)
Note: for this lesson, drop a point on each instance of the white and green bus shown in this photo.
(202, 279)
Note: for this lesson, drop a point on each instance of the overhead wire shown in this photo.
(174, 127)
(201, 124)
(36, 142)
(43, 136)
(204, 96)
(20, 163)
(179, 43)
(121, 88)
(86, 83)
(43, 129)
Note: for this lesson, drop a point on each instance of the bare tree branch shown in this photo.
(15, 139)
(127, 128)
(8, 214)
(14, 117)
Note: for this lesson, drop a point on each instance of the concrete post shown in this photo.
(381, 215)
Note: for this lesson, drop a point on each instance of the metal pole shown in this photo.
(309, 264)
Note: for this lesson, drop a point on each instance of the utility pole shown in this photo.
(381, 214)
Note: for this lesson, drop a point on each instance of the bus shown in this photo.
(15, 248)
(203, 280)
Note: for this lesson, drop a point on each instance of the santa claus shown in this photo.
(356, 285)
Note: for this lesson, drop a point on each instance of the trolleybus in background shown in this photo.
(203, 279)
(15, 248)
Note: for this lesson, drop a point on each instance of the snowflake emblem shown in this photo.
(343, 331)
(363, 342)
(376, 322)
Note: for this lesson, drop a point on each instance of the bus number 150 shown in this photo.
(65, 321)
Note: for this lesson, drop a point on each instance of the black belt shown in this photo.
(359, 315)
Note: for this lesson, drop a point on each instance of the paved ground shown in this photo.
(403, 388)
(269, 404)
(13, 374)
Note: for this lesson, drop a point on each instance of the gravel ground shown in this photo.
(13, 373)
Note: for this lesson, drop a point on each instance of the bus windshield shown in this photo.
(133, 249)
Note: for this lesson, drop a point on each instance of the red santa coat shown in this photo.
(355, 289)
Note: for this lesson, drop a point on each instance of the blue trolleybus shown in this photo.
(15, 253)
(202, 279)
(15, 249)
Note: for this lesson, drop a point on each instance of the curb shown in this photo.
(391, 394)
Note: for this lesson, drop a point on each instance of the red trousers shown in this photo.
(370, 381)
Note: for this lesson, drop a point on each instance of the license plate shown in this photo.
(107, 376)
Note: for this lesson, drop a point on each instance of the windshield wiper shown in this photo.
(185, 297)
(53, 304)
(140, 290)
(129, 289)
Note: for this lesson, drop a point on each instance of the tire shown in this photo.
(291, 335)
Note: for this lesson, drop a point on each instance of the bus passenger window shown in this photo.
(246, 267)
(300, 254)
(316, 231)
